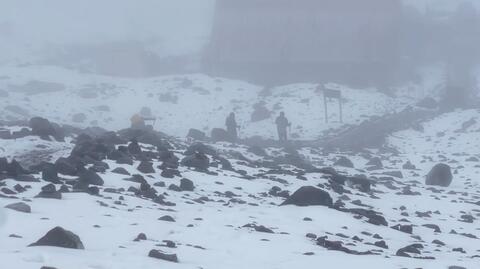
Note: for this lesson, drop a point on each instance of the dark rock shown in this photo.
(169, 173)
(121, 171)
(140, 237)
(157, 254)
(434, 227)
(146, 167)
(59, 237)
(440, 175)
(79, 118)
(49, 191)
(20, 207)
(344, 161)
(90, 177)
(372, 216)
(381, 244)
(260, 112)
(65, 167)
(14, 169)
(44, 129)
(186, 185)
(197, 135)
(409, 166)
(403, 228)
(197, 160)
(134, 148)
(259, 228)
(174, 187)
(50, 173)
(308, 196)
(167, 218)
(377, 162)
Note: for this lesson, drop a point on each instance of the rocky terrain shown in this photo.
(91, 198)
(393, 186)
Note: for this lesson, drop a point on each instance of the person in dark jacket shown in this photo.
(282, 125)
(232, 126)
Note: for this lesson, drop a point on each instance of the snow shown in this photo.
(200, 102)
(216, 238)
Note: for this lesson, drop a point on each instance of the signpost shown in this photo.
(332, 94)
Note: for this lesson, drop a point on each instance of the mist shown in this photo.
(259, 134)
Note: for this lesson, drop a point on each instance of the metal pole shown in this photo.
(326, 109)
(340, 106)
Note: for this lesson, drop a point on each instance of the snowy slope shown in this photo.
(186, 101)
(208, 223)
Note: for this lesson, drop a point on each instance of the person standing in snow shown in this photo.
(137, 122)
(232, 126)
(282, 125)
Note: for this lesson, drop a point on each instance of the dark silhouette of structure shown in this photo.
(283, 41)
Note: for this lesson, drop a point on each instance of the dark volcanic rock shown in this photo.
(167, 218)
(50, 173)
(14, 169)
(20, 207)
(66, 167)
(90, 177)
(186, 185)
(121, 171)
(59, 237)
(344, 161)
(134, 148)
(197, 135)
(196, 160)
(49, 191)
(44, 129)
(157, 254)
(146, 167)
(440, 175)
(308, 196)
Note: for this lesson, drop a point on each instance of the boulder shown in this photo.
(197, 160)
(196, 135)
(439, 175)
(344, 161)
(186, 185)
(309, 196)
(90, 177)
(157, 254)
(59, 237)
(50, 173)
(146, 167)
(14, 169)
(20, 207)
(134, 148)
(121, 171)
(50, 192)
(66, 167)
(44, 129)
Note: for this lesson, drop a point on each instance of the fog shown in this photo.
(239, 134)
(155, 37)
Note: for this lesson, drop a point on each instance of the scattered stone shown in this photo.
(20, 207)
(59, 237)
(440, 175)
(157, 254)
(309, 196)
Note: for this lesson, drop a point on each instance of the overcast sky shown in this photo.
(180, 24)
(170, 26)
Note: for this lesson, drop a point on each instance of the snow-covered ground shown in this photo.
(208, 231)
(187, 101)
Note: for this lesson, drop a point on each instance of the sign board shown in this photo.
(332, 94)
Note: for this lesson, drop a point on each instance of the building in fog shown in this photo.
(281, 41)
